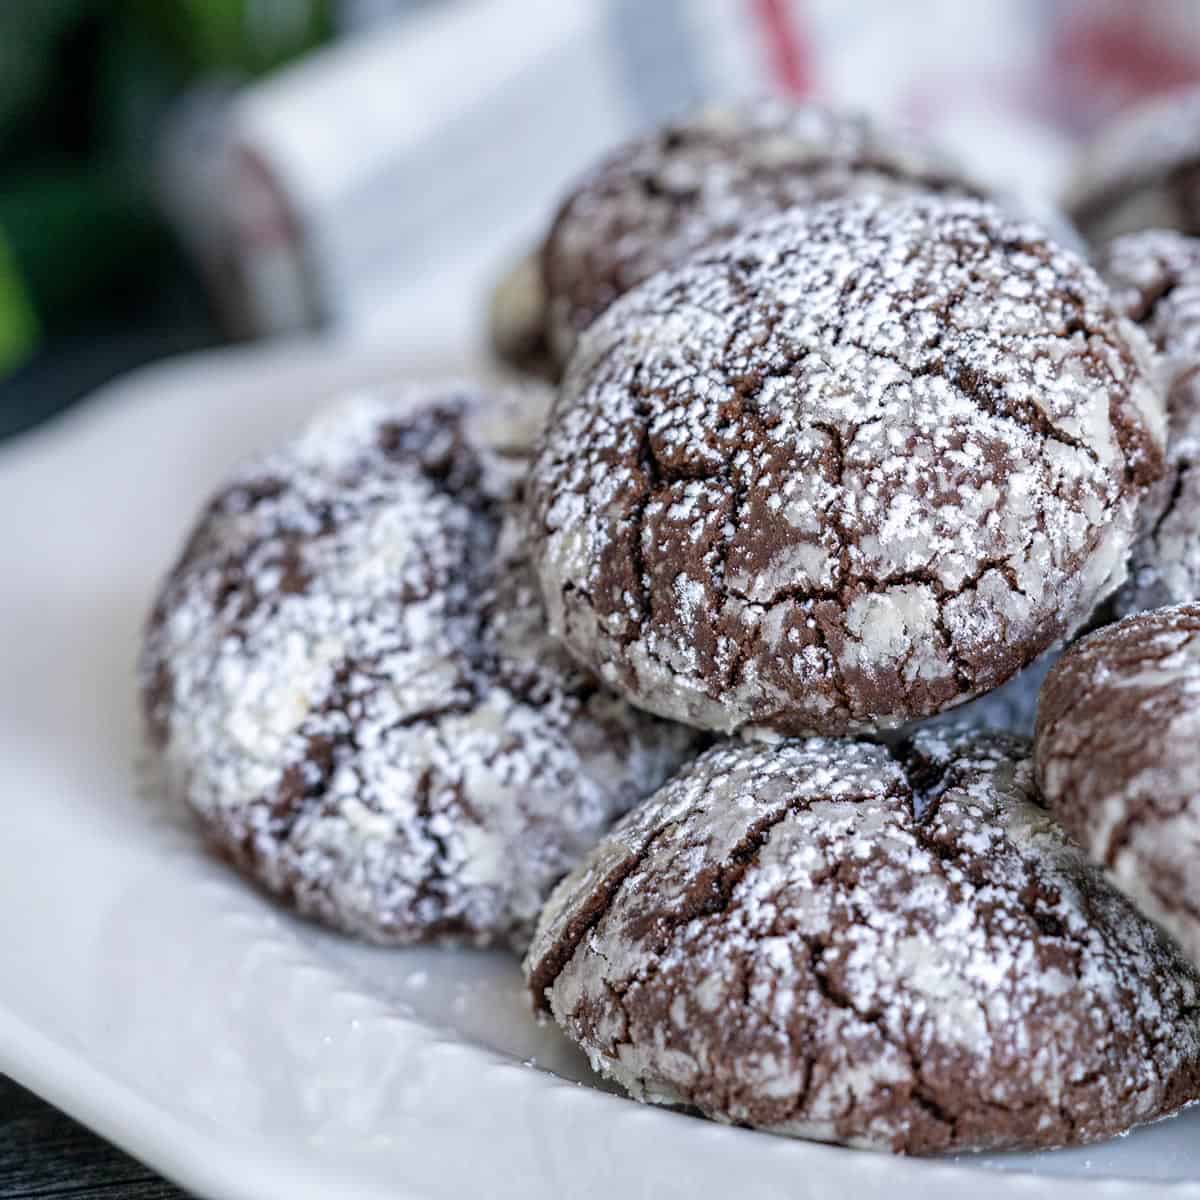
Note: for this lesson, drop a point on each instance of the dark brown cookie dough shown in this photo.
(652, 203)
(851, 469)
(1155, 277)
(348, 678)
(1118, 759)
(1141, 172)
(902, 953)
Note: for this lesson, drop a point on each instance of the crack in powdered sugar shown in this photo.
(850, 469)
(898, 950)
(1155, 278)
(350, 680)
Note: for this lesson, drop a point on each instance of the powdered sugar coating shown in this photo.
(1141, 172)
(1118, 759)
(848, 470)
(903, 953)
(1155, 278)
(696, 181)
(349, 679)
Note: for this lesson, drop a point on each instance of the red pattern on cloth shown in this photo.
(789, 51)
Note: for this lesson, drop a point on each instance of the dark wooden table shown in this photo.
(45, 1154)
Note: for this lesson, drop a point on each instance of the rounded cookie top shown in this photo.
(850, 469)
(695, 181)
(1155, 278)
(1118, 759)
(348, 678)
(903, 953)
(1142, 171)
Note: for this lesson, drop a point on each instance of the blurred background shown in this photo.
(180, 174)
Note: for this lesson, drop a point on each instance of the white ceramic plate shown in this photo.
(242, 1053)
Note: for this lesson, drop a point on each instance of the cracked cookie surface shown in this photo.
(347, 676)
(696, 181)
(1118, 759)
(897, 951)
(851, 469)
(1155, 279)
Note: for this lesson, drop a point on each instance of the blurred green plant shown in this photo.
(245, 37)
(83, 86)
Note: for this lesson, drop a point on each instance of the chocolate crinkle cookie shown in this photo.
(1155, 277)
(901, 952)
(348, 678)
(850, 469)
(1118, 759)
(1141, 172)
(700, 179)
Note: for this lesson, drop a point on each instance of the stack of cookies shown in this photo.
(647, 678)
